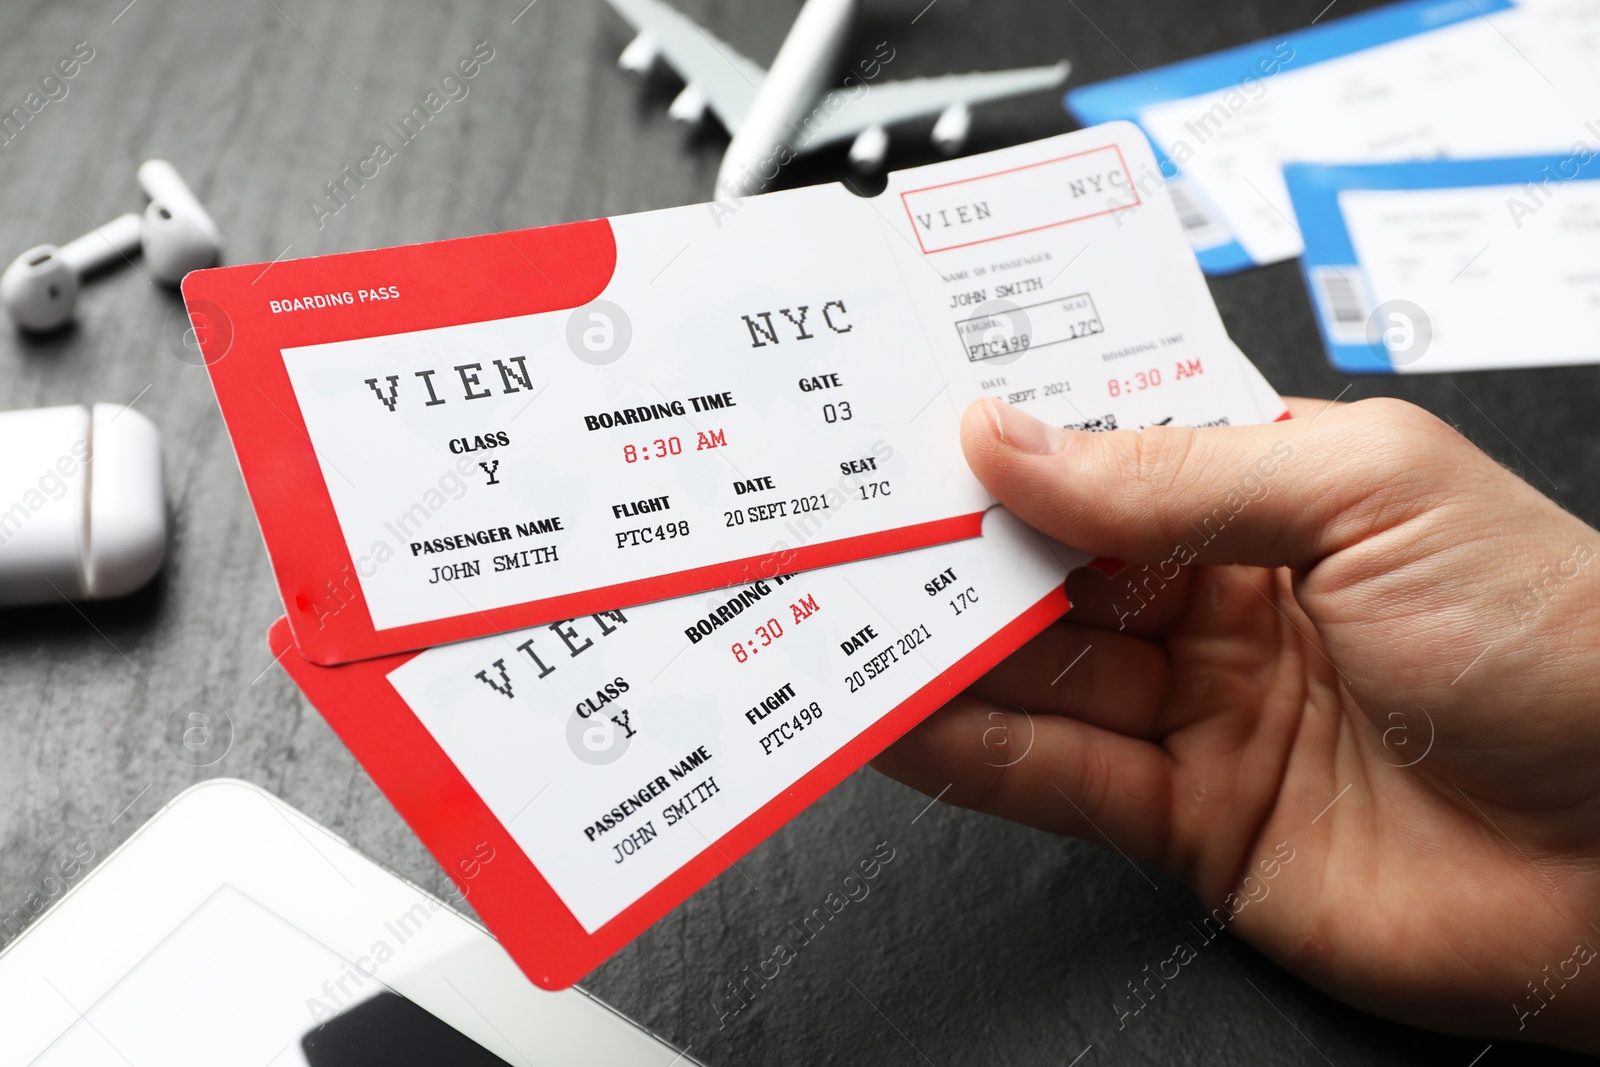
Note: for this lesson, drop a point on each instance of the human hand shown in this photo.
(1354, 663)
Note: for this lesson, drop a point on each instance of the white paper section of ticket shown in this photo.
(1532, 294)
(848, 333)
(1524, 81)
(564, 729)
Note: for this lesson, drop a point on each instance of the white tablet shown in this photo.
(231, 929)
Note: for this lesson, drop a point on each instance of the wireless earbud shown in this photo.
(179, 235)
(41, 286)
(88, 519)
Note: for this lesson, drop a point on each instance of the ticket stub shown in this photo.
(618, 761)
(1451, 265)
(449, 440)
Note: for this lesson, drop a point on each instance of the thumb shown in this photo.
(1282, 494)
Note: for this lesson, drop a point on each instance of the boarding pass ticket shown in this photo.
(1451, 265)
(618, 761)
(1420, 79)
(448, 440)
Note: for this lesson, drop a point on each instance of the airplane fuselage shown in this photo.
(802, 73)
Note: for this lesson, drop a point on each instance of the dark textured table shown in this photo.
(982, 942)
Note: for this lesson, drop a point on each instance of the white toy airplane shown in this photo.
(790, 110)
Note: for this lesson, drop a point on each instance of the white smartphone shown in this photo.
(231, 929)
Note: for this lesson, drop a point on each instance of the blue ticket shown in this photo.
(1450, 265)
(1413, 80)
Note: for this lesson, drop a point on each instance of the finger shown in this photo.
(1137, 600)
(1074, 779)
(1104, 679)
(1283, 494)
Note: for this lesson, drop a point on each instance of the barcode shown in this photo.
(1203, 230)
(1342, 298)
(1341, 294)
(1099, 425)
(1192, 214)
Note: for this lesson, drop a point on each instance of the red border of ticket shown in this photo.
(513, 898)
(492, 276)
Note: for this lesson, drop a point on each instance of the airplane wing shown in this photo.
(727, 79)
(843, 114)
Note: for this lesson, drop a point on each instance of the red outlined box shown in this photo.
(1033, 224)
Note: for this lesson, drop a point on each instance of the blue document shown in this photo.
(1451, 265)
(1415, 80)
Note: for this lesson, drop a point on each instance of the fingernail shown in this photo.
(1024, 432)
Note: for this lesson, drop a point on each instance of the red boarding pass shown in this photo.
(449, 440)
(614, 763)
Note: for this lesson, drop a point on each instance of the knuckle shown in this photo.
(1398, 417)
(1408, 438)
(1395, 463)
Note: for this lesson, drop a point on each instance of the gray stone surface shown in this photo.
(983, 942)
